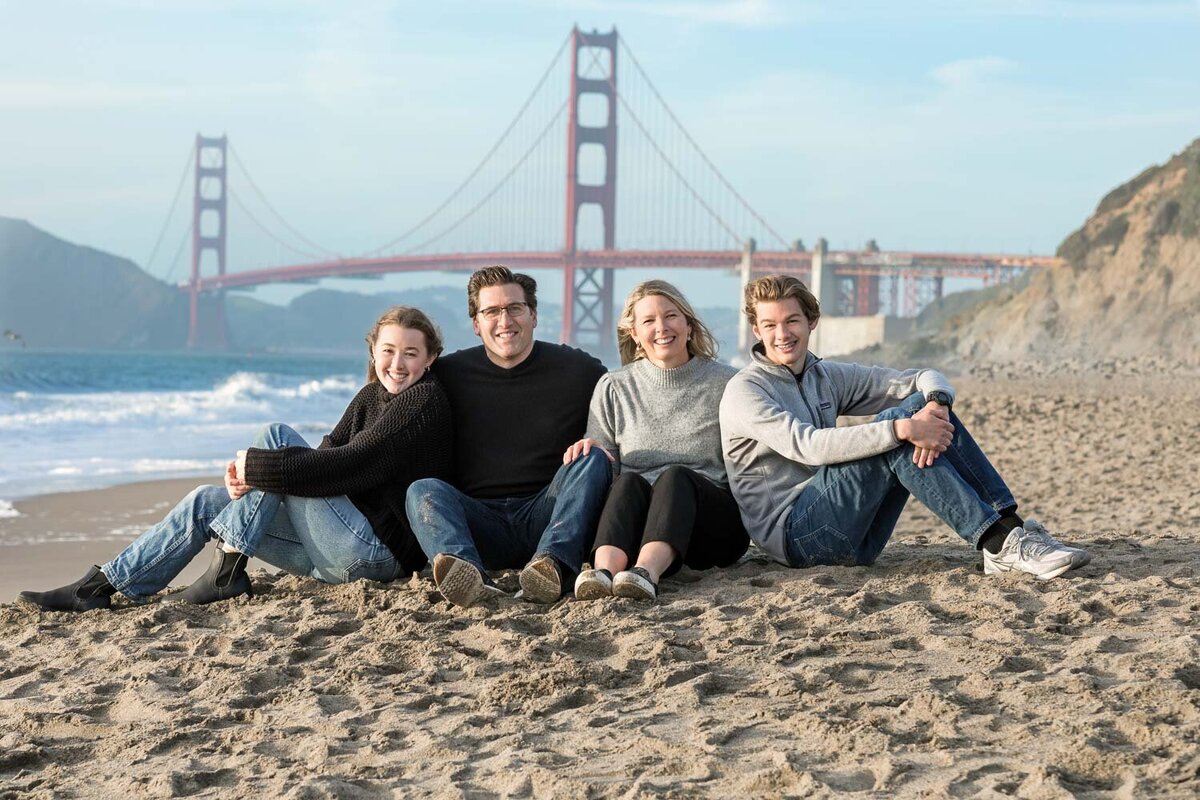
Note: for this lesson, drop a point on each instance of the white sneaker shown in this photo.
(593, 584)
(1079, 556)
(1025, 552)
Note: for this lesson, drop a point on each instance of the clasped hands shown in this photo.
(235, 476)
(929, 431)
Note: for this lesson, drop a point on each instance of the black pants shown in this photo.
(684, 509)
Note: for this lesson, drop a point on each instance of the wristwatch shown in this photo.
(939, 397)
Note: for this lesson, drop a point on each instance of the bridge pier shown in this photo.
(588, 320)
(206, 315)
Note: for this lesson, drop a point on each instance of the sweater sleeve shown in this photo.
(866, 390)
(601, 418)
(369, 459)
(749, 411)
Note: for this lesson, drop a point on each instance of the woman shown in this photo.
(656, 417)
(335, 513)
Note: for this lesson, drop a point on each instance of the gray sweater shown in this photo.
(776, 431)
(650, 418)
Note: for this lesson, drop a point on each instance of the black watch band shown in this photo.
(939, 397)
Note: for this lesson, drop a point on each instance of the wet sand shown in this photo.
(916, 677)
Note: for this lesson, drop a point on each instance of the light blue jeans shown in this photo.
(847, 512)
(326, 538)
(506, 533)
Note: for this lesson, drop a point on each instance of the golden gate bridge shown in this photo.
(510, 210)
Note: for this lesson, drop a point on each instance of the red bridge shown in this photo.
(509, 210)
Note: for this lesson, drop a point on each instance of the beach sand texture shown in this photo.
(918, 676)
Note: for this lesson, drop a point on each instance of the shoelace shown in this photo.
(1034, 544)
(1042, 535)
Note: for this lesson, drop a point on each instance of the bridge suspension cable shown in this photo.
(263, 228)
(187, 166)
(507, 176)
(695, 145)
(478, 167)
(323, 251)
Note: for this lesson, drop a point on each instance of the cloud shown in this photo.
(971, 73)
(84, 95)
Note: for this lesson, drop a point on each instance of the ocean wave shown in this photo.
(243, 396)
(7, 511)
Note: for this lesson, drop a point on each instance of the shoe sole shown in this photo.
(634, 588)
(1000, 569)
(593, 590)
(457, 580)
(540, 583)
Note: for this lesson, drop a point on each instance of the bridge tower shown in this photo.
(588, 292)
(206, 315)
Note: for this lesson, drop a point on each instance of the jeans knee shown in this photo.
(418, 500)
(274, 434)
(594, 463)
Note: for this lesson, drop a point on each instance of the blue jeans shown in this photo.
(847, 513)
(326, 538)
(506, 533)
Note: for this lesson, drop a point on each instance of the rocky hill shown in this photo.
(1131, 287)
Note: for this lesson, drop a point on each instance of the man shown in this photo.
(811, 493)
(517, 406)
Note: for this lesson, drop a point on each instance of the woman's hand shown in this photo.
(235, 486)
(241, 466)
(582, 448)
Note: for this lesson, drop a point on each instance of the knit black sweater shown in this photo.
(382, 444)
(512, 425)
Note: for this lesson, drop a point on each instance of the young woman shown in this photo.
(656, 417)
(335, 513)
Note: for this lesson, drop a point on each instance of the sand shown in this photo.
(916, 677)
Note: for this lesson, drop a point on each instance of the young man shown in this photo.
(517, 406)
(811, 493)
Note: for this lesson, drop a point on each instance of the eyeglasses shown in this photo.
(514, 311)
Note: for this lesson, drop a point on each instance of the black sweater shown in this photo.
(382, 444)
(511, 426)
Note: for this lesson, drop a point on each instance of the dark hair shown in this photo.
(771, 288)
(499, 276)
(406, 317)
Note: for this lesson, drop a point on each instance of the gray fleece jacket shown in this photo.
(777, 430)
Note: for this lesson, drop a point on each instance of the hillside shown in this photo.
(57, 294)
(1131, 287)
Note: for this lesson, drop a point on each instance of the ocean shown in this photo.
(83, 420)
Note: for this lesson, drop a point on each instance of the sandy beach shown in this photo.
(916, 677)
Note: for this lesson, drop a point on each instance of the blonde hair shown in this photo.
(701, 343)
(772, 288)
(406, 317)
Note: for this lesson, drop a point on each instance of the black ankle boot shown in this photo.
(225, 579)
(91, 591)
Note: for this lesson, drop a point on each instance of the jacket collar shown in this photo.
(759, 357)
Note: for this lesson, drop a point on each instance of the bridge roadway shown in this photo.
(844, 262)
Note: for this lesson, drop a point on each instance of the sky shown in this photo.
(964, 125)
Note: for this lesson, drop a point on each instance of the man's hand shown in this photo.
(235, 486)
(582, 448)
(929, 431)
(240, 472)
